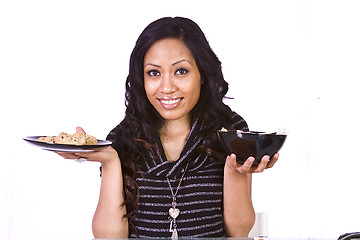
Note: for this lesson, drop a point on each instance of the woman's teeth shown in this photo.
(170, 102)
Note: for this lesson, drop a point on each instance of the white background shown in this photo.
(292, 64)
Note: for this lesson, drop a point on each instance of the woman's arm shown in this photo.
(109, 220)
(239, 214)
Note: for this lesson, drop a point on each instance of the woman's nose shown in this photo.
(167, 85)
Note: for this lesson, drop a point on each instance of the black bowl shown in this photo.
(255, 144)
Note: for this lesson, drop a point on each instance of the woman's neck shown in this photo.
(173, 136)
(174, 128)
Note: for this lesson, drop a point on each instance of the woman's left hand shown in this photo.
(247, 166)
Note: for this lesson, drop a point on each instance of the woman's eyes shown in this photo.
(181, 71)
(154, 72)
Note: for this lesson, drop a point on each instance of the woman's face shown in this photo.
(171, 78)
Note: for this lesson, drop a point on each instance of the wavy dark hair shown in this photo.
(135, 135)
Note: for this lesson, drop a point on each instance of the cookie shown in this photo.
(72, 139)
(79, 139)
(64, 138)
(90, 140)
(47, 139)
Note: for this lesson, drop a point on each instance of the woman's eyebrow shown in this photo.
(177, 62)
(181, 60)
(151, 64)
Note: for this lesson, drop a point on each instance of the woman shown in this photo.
(166, 174)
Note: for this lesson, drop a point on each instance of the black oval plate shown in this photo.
(65, 147)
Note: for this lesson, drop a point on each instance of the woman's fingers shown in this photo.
(248, 164)
(72, 156)
(248, 167)
(262, 165)
(80, 130)
(242, 168)
(102, 155)
(67, 155)
(273, 160)
(231, 161)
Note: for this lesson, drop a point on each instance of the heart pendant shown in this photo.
(174, 212)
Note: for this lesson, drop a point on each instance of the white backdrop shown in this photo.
(290, 64)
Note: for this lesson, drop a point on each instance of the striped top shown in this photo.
(199, 198)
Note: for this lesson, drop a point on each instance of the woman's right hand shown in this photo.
(105, 155)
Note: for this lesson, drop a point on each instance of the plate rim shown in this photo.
(65, 147)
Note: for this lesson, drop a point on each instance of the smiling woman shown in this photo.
(171, 78)
(176, 179)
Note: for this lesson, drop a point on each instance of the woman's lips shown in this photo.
(170, 103)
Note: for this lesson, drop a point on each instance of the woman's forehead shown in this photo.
(168, 50)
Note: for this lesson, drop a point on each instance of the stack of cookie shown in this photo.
(73, 139)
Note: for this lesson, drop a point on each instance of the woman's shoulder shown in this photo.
(124, 129)
(112, 134)
(238, 122)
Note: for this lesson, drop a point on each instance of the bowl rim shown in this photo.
(252, 132)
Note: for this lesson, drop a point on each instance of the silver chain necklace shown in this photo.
(173, 211)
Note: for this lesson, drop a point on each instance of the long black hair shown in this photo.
(134, 136)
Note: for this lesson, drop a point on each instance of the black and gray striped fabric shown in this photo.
(199, 197)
